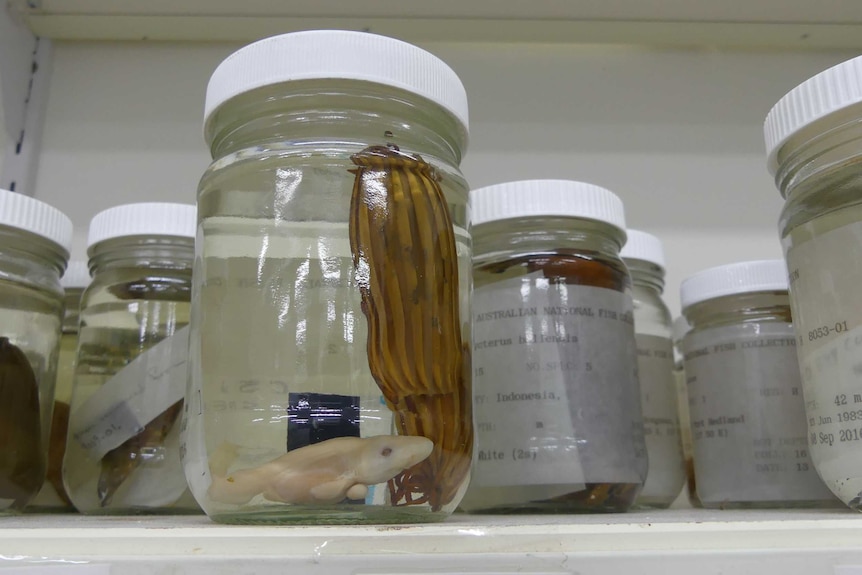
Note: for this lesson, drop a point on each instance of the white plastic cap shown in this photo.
(732, 279)
(31, 215)
(643, 246)
(828, 92)
(77, 275)
(317, 54)
(147, 219)
(548, 198)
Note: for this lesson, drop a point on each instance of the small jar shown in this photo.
(644, 256)
(745, 395)
(34, 250)
(123, 447)
(556, 397)
(52, 497)
(680, 328)
(814, 146)
(330, 334)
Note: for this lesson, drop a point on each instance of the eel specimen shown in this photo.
(406, 267)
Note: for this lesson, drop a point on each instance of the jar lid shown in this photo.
(342, 54)
(31, 215)
(828, 92)
(643, 246)
(548, 198)
(733, 279)
(77, 275)
(146, 219)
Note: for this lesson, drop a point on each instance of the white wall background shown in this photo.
(676, 133)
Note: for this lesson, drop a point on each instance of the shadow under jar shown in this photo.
(814, 145)
(34, 250)
(558, 414)
(745, 398)
(330, 373)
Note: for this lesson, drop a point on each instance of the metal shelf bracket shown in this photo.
(25, 62)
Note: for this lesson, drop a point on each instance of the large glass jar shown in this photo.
(52, 497)
(814, 146)
(34, 250)
(558, 413)
(330, 377)
(745, 398)
(123, 445)
(643, 254)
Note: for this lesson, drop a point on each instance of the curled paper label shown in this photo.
(137, 394)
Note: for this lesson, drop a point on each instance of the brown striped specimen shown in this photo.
(121, 461)
(405, 257)
(22, 463)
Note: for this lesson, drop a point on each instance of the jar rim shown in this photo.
(734, 279)
(832, 90)
(337, 54)
(547, 198)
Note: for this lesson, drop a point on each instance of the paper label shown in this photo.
(825, 276)
(541, 352)
(134, 396)
(747, 415)
(661, 418)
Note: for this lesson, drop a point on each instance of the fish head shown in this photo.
(384, 456)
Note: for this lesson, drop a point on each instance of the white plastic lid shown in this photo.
(77, 275)
(732, 279)
(31, 215)
(147, 219)
(828, 92)
(548, 198)
(643, 246)
(317, 54)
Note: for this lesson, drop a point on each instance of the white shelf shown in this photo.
(776, 23)
(666, 542)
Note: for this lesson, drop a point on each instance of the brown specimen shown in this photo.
(22, 465)
(121, 461)
(57, 450)
(406, 266)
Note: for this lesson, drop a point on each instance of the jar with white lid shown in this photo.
(34, 250)
(814, 146)
(330, 372)
(643, 254)
(745, 394)
(556, 396)
(123, 444)
(52, 497)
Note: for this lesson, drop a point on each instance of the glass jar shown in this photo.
(558, 414)
(123, 446)
(330, 381)
(680, 328)
(34, 250)
(52, 497)
(814, 145)
(644, 256)
(745, 397)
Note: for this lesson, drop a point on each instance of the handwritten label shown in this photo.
(134, 396)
